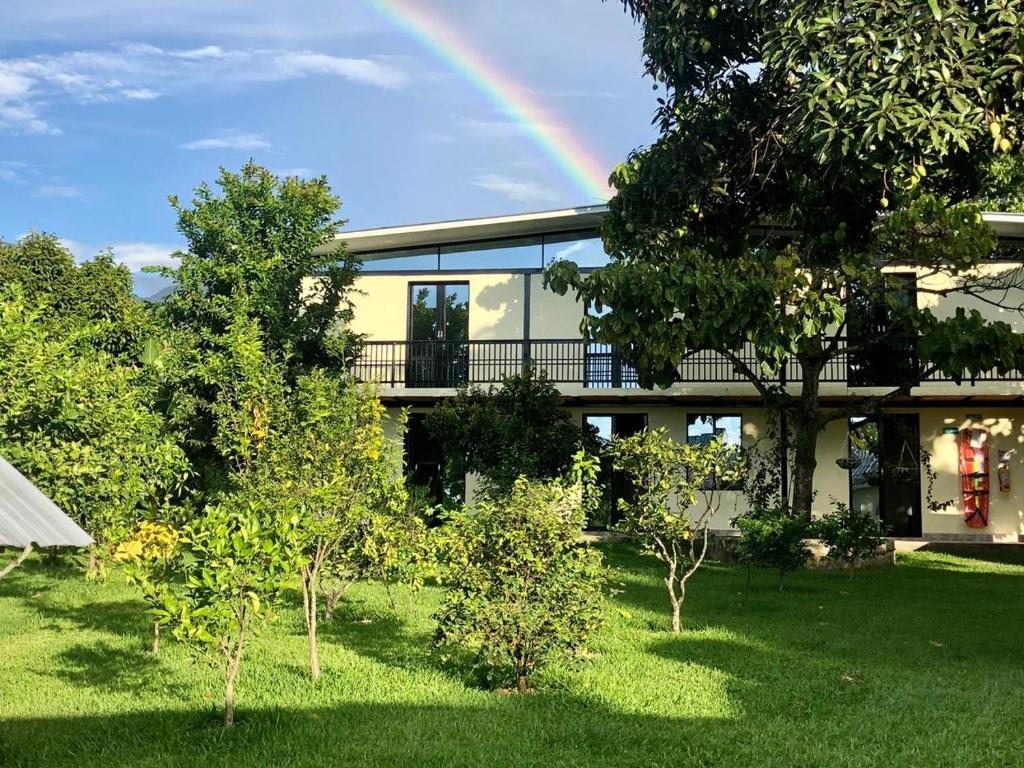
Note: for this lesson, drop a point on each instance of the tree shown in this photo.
(501, 433)
(809, 151)
(237, 558)
(98, 291)
(78, 421)
(520, 587)
(261, 251)
(678, 492)
(333, 465)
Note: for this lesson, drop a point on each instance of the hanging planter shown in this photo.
(848, 462)
(903, 473)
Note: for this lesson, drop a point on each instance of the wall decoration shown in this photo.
(974, 476)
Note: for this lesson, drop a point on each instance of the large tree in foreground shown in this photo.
(805, 146)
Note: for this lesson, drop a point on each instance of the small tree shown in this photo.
(850, 536)
(520, 587)
(147, 555)
(678, 492)
(517, 429)
(237, 558)
(773, 538)
(334, 467)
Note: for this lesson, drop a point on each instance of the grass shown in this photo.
(918, 665)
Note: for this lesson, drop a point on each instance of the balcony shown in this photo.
(449, 364)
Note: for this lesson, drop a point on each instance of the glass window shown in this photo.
(865, 467)
(702, 428)
(522, 253)
(587, 252)
(401, 261)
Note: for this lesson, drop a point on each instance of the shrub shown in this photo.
(517, 429)
(677, 493)
(521, 588)
(773, 538)
(850, 536)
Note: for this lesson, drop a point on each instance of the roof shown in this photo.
(366, 242)
(29, 517)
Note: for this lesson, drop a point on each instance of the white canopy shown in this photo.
(29, 517)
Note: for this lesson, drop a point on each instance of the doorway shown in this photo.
(615, 486)
(885, 476)
(438, 346)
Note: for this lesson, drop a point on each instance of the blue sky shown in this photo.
(109, 106)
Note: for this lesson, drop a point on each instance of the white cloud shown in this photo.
(514, 189)
(142, 72)
(302, 173)
(58, 190)
(140, 94)
(135, 256)
(230, 140)
(303, 63)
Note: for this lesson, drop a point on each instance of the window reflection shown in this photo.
(401, 261)
(501, 254)
(586, 252)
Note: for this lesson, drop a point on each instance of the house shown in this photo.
(457, 302)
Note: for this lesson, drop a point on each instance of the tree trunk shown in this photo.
(806, 425)
(782, 580)
(156, 637)
(229, 698)
(234, 662)
(522, 683)
(21, 558)
(676, 606)
(94, 564)
(309, 596)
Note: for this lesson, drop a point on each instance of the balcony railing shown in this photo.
(449, 364)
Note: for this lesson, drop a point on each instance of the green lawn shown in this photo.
(918, 665)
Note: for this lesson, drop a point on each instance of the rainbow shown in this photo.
(556, 138)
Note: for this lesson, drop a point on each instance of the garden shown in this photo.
(917, 665)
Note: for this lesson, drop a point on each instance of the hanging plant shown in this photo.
(848, 462)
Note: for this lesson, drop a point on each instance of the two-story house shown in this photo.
(457, 302)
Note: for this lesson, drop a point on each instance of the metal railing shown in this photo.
(449, 364)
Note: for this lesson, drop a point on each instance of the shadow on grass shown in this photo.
(517, 731)
(110, 668)
(380, 634)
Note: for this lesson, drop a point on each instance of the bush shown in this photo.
(773, 538)
(521, 587)
(850, 536)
